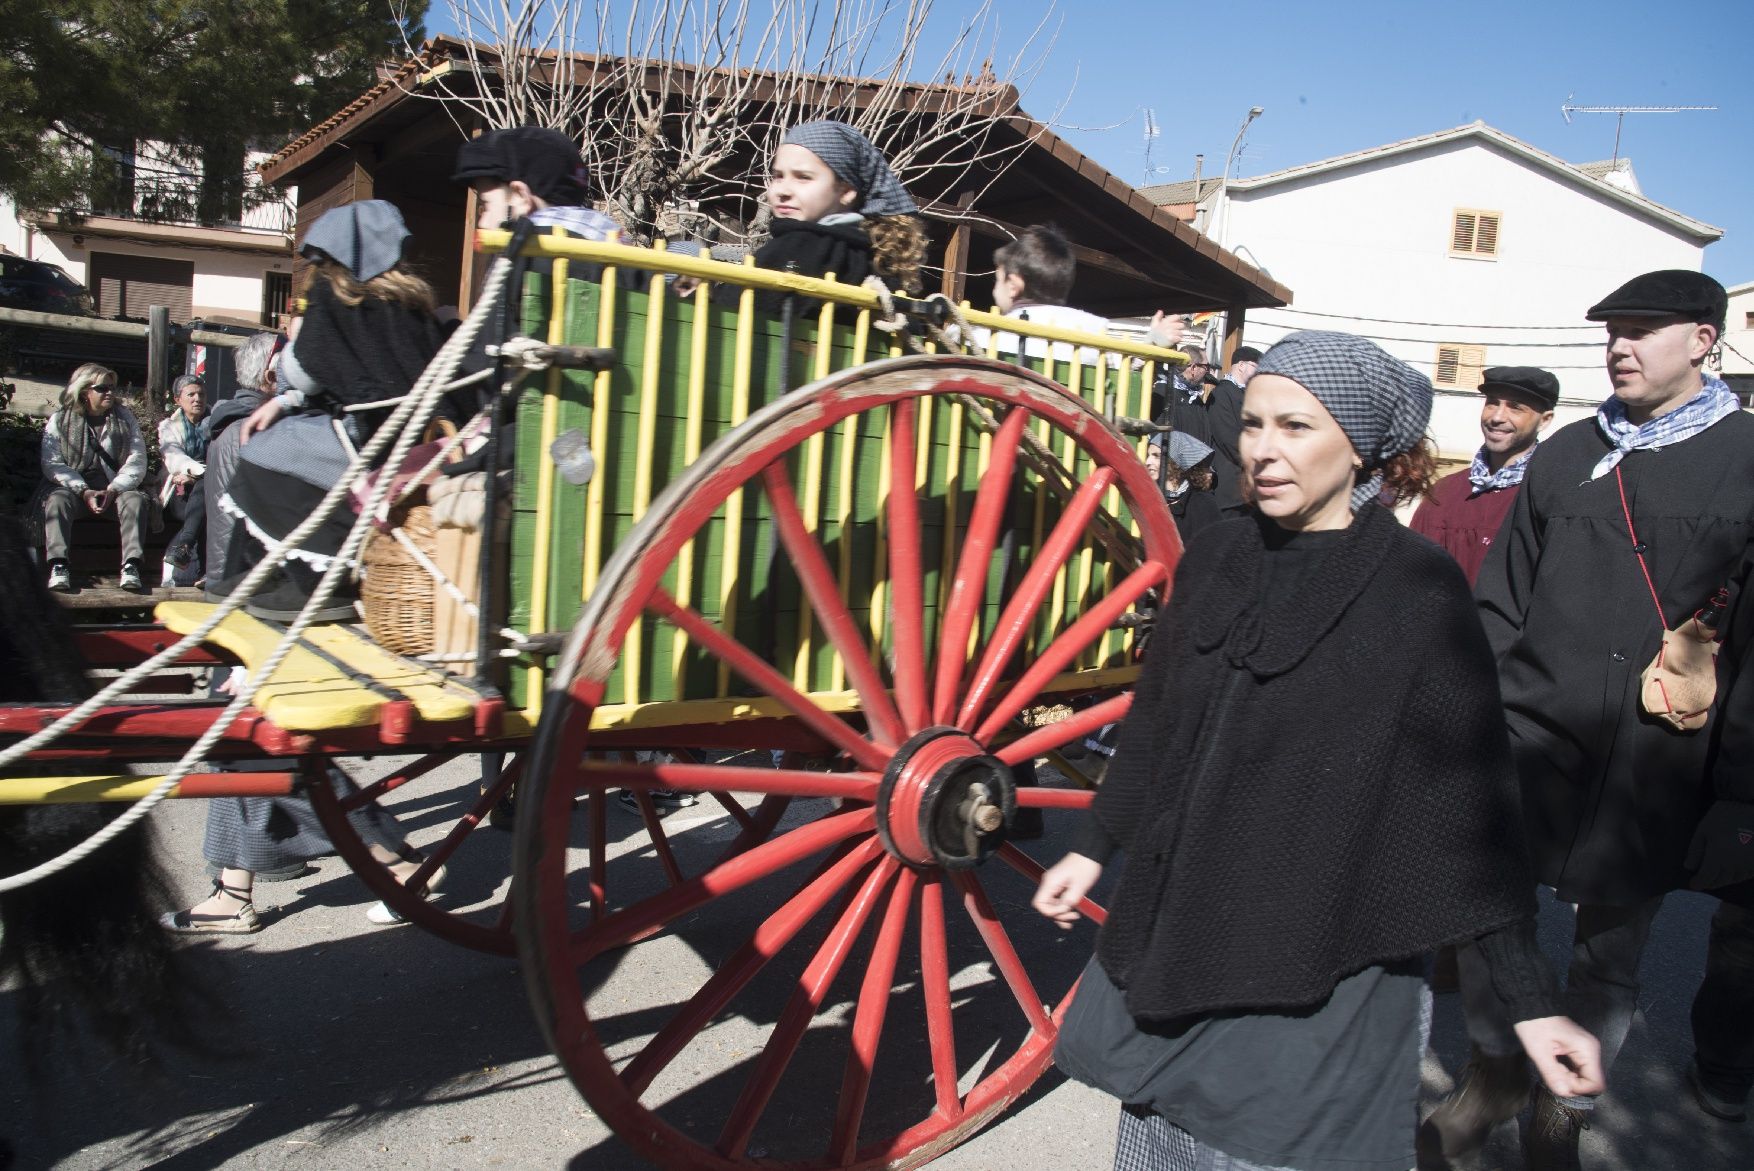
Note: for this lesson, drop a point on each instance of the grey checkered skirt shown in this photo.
(271, 833)
(1147, 1141)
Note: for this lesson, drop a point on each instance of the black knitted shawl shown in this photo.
(811, 249)
(364, 353)
(1312, 786)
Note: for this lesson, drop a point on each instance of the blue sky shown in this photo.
(1345, 75)
(1351, 74)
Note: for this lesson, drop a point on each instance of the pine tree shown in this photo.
(81, 81)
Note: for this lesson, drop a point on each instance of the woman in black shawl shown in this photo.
(366, 334)
(1313, 791)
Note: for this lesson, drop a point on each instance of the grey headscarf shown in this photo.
(859, 164)
(1381, 403)
(365, 238)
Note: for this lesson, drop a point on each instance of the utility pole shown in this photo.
(1620, 112)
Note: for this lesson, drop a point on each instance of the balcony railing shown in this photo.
(248, 204)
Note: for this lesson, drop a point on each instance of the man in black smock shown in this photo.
(1620, 808)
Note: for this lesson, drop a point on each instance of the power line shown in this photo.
(1430, 324)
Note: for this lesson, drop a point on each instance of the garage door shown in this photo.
(127, 285)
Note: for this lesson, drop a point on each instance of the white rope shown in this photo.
(525, 352)
(459, 384)
(402, 427)
(437, 574)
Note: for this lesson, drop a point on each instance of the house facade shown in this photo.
(146, 244)
(1737, 351)
(1457, 251)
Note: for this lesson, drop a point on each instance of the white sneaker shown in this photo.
(130, 577)
(381, 914)
(60, 580)
(167, 575)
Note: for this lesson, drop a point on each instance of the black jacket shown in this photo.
(1612, 797)
(1224, 423)
(1307, 788)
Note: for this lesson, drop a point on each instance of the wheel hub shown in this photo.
(945, 801)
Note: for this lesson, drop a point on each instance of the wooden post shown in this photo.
(158, 354)
(1233, 322)
(472, 265)
(956, 253)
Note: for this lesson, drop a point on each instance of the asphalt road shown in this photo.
(343, 1044)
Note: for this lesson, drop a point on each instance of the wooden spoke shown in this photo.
(820, 587)
(968, 586)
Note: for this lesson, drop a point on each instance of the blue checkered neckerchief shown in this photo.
(1714, 401)
(1190, 389)
(1510, 475)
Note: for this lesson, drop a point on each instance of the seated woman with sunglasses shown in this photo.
(94, 461)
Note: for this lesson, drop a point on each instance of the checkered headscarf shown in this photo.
(859, 164)
(1381, 403)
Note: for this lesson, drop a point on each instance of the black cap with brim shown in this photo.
(1536, 385)
(1668, 292)
(547, 161)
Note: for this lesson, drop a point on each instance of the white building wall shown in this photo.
(1738, 350)
(1369, 244)
(228, 284)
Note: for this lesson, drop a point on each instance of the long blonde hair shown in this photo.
(398, 286)
(83, 380)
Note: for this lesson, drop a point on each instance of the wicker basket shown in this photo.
(395, 591)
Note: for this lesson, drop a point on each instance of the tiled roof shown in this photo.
(1163, 194)
(1517, 146)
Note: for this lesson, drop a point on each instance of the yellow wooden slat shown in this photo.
(740, 378)
(543, 552)
(307, 692)
(645, 448)
(691, 443)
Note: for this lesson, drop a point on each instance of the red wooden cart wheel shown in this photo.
(481, 918)
(746, 1051)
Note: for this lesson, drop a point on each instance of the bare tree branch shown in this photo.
(678, 104)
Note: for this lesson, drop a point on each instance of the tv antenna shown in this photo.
(1152, 132)
(1620, 113)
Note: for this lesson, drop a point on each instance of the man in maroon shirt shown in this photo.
(1464, 511)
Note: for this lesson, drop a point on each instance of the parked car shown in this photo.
(35, 284)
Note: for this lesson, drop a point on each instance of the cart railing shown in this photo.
(689, 369)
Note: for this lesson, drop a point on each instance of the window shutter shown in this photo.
(1462, 233)
(1459, 366)
(1449, 358)
(1470, 366)
(1486, 235)
(1474, 233)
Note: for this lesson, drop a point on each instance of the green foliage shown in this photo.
(220, 76)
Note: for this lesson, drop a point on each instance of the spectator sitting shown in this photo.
(182, 447)
(254, 364)
(94, 461)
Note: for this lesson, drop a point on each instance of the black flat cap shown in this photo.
(546, 160)
(1531, 382)
(1668, 292)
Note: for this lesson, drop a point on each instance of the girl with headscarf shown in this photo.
(1313, 791)
(366, 334)
(838, 208)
